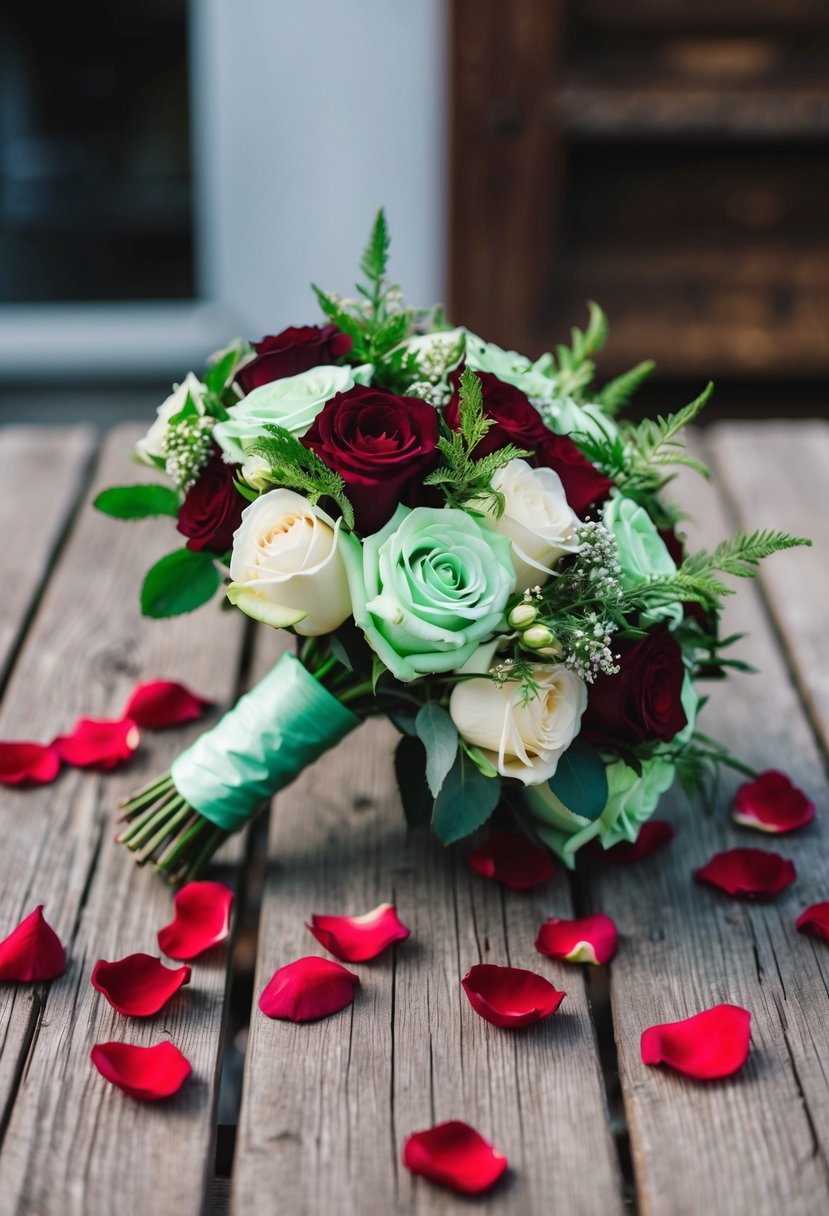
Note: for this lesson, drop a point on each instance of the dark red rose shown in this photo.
(582, 481)
(641, 703)
(673, 544)
(381, 445)
(297, 349)
(516, 420)
(212, 508)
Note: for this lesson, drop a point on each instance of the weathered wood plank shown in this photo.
(778, 477)
(326, 1107)
(73, 1144)
(41, 472)
(757, 1142)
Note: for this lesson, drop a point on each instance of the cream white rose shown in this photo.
(150, 449)
(537, 519)
(292, 402)
(521, 741)
(287, 566)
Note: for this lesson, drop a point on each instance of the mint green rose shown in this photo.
(565, 417)
(429, 588)
(292, 402)
(534, 379)
(643, 553)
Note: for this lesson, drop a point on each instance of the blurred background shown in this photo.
(174, 173)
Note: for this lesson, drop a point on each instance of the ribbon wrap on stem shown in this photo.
(261, 745)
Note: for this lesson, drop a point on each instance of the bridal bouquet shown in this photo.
(469, 542)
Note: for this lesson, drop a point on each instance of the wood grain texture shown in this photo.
(756, 1142)
(73, 1144)
(41, 472)
(326, 1107)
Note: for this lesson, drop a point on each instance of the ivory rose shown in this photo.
(537, 520)
(287, 566)
(521, 740)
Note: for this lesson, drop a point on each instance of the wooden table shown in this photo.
(325, 1107)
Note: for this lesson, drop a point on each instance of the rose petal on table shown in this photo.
(748, 873)
(454, 1155)
(510, 996)
(707, 1046)
(28, 763)
(513, 860)
(202, 920)
(162, 703)
(307, 990)
(771, 803)
(32, 951)
(587, 939)
(815, 921)
(98, 743)
(356, 939)
(138, 985)
(145, 1073)
(654, 834)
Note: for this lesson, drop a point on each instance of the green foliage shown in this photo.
(617, 393)
(696, 579)
(461, 477)
(298, 468)
(466, 800)
(439, 735)
(410, 770)
(573, 364)
(580, 780)
(180, 582)
(138, 502)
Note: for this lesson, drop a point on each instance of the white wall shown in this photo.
(310, 115)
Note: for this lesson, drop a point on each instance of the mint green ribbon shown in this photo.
(272, 733)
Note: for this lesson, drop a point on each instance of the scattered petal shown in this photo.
(815, 920)
(510, 996)
(512, 859)
(202, 920)
(28, 763)
(138, 985)
(707, 1046)
(162, 703)
(32, 951)
(98, 743)
(654, 834)
(772, 804)
(748, 873)
(145, 1073)
(309, 989)
(456, 1156)
(356, 939)
(589, 939)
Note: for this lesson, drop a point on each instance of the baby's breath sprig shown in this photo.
(187, 446)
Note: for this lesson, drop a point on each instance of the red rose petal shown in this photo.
(32, 763)
(202, 919)
(748, 873)
(162, 703)
(32, 951)
(654, 834)
(356, 939)
(138, 985)
(815, 920)
(707, 1046)
(145, 1073)
(510, 858)
(454, 1155)
(510, 996)
(309, 989)
(98, 743)
(772, 804)
(589, 939)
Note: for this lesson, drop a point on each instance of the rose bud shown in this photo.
(521, 740)
(287, 566)
(522, 615)
(537, 637)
